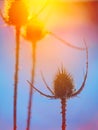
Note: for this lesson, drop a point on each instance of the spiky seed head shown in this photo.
(63, 84)
(17, 13)
(34, 31)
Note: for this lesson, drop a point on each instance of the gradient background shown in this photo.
(72, 21)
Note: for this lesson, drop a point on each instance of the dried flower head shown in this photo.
(34, 31)
(63, 84)
(16, 12)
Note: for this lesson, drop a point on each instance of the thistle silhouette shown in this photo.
(63, 88)
(34, 32)
(17, 15)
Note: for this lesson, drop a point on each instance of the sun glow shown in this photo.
(43, 9)
(56, 12)
(35, 6)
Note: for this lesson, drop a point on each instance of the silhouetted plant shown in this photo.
(17, 15)
(34, 31)
(63, 88)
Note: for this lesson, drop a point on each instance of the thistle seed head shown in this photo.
(63, 84)
(34, 31)
(17, 13)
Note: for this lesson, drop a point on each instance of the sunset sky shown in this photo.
(72, 21)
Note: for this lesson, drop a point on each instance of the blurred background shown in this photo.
(72, 20)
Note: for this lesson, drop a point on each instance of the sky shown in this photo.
(73, 22)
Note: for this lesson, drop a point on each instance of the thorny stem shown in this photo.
(48, 96)
(65, 42)
(31, 89)
(63, 107)
(85, 77)
(16, 77)
(46, 84)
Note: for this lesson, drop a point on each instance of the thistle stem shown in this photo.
(63, 107)
(16, 77)
(31, 89)
(66, 43)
